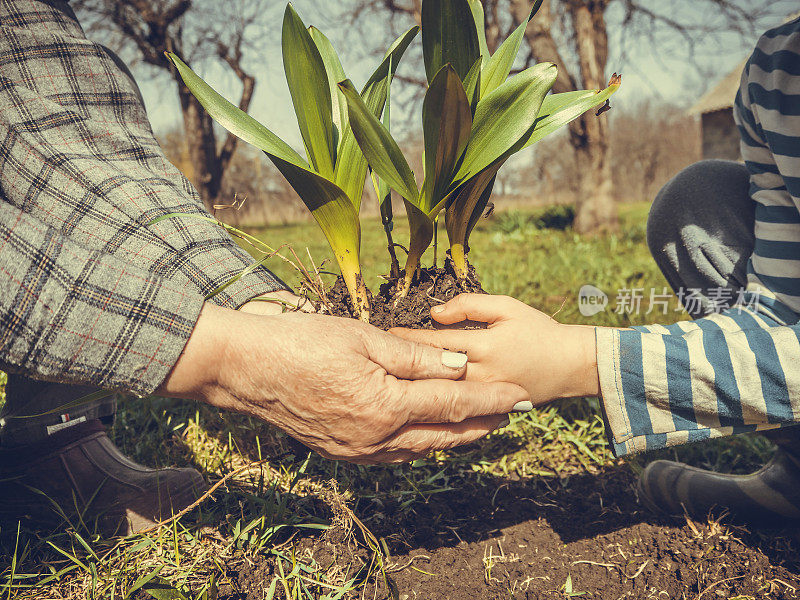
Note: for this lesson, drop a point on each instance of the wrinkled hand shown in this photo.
(519, 344)
(343, 388)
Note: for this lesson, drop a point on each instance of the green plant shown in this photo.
(512, 221)
(556, 217)
(474, 118)
(330, 180)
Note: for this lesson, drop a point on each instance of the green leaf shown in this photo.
(381, 151)
(446, 123)
(374, 93)
(384, 195)
(448, 36)
(480, 208)
(382, 189)
(472, 84)
(311, 94)
(421, 226)
(142, 581)
(499, 65)
(335, 72)
(238, 122)
(504, 117)
(338, 219)
(401, 44)
(160, 589)
(470, 198)
(559, 109)
(476, 6)
(330, 206)
(351, 166)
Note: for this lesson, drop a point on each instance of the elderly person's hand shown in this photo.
(343, 388)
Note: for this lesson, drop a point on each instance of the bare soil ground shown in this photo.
(583, 536)
(589, 539)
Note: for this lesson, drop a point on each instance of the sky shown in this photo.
(663, 69)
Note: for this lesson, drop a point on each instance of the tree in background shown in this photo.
(196, 31)
(642, 164)
(574, 34)
(253, 192)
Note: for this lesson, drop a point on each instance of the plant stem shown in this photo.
(412, 265)
(387, 218)
(435, 240)
(421, 234)
(394, 271)
(459, 259)
(358, 294)
(351, 273)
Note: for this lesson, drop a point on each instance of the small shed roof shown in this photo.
(722, 95)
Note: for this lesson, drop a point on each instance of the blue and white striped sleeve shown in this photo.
(737, 371)
(767, 113)
(727, 373)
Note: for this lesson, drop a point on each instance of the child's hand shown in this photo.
(519, 345)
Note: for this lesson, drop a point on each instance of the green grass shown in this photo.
(255, 515)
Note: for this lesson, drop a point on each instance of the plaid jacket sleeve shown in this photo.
(75, 315)
(89, 292)
(77, 152)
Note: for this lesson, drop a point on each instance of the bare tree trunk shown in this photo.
(155, 27)
(202, 144)
(540, 40)
(595, 208)
(208, 163)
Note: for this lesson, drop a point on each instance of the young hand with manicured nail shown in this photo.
(519, 344)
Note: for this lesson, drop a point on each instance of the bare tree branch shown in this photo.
(233, 57)
(152, 27)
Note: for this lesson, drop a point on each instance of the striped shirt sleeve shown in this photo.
(723, 374)
(736, 371)
(767, 113)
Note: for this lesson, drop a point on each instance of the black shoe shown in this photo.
(80, 477)
(769, 497)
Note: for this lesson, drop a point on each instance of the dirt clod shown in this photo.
(432, 286)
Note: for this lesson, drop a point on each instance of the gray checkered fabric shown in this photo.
(89, 293)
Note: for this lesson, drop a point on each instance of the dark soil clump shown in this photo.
(528, 541)
(432, 286)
